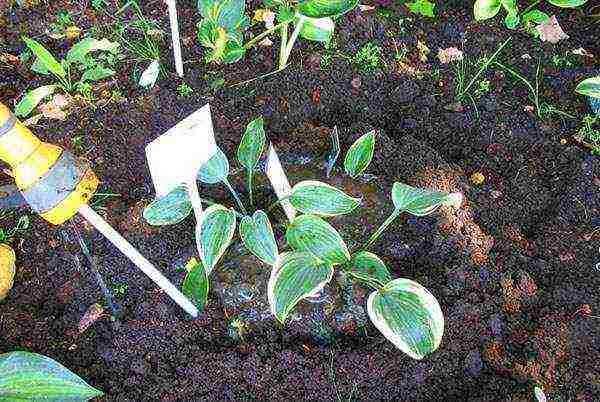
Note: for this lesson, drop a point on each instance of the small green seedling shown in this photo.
(28, 376)
(185, 90)
(221, 30)
(423, 7)
(406, 313)
(486, 9)
(79, 58)
(368, 57)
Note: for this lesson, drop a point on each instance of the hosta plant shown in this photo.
(406, 313)
(590, 87)
(89, 59)
(224, 22)
(529, 16)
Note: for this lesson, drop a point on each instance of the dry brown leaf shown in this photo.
(92, 314)
(550, 31)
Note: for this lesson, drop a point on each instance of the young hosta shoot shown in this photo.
(79, 58)
(216, 230)
(251, 148)
(196, 284)
(295, 276)
(258, 237)
(360, 154)
(170, 209)
(408, 316)
(318, 198)
(28, 376)
(312, 234)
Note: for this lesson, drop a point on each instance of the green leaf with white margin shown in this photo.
(318, 198)
(567, 3)
(294, 277)
(196, 284)
(45, 57)
(216, 229)
(97, 73)
(589, 87)
(485, 9)
(317, 29)
(420, 201)
(87, 45)
(215, 170)
(407, 315)
(360, 154)
(169, 209)
(32, 99)
(368, 266)
(28, 376)
(312, 234)
(325, 8)
(258, 237)
(252, 144)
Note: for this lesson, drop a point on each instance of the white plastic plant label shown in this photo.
(279, 182)
(176, 156)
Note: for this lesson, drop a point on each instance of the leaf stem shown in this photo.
(235, 196)
(262, 35)
(278, 202)
(283, 45)
(381, 229)
(250, 188)
(291, 42)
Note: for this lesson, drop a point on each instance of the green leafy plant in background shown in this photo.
(221, 30)
(28, 376)
(486, 9)
(82, 58)
(406, 313)
(423, 7)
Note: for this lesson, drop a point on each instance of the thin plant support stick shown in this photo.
(175, 37)
(381, 229)
(139, 260)
(484, 68)
(283, 45)
(235, 196)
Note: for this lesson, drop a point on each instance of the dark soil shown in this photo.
(511, 269)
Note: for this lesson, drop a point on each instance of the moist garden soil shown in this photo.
(510, 269)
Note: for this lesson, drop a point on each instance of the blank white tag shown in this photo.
(176, 156)
(279, 182)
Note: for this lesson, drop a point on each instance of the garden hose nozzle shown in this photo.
(54, 183)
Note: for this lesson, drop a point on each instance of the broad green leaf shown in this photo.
(97, 73)
(408, 316)
(45, 57)
(360, 154)
(87, 45)
(318, 198)
(39, 67)
(196, 284)
(423, 7)
(317, 29)
(325, 8)
(312, 234)
(28, 376)
(32, 99)
(294, 277)
(589, 87)
(170, 209)
(567, 3)
(535, 17)
(209, 8)
(216, 229)
(252, 144)
(207, 32)
(420, 201)
(485, 9)
(216, 169)
(512, 20)
(368, 266)
(257, 234)
(230, 13)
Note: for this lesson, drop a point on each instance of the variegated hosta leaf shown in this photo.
(196, 283)
(408, 316)
(421, 201)
(367, 266)
(318, 198)
(252, 144)
(485, 9)
(28, 376)
(325, 8)
(295, 276)
(317, 29)
(216, 169)
(32, 99)
(216, 230)
(360, 154)
(170, 209)
(567, 3)
(312, 234)
(257, 234)
(589, 87)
